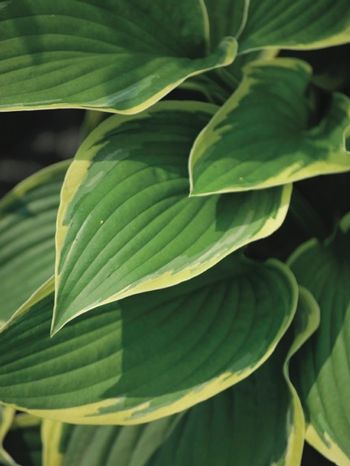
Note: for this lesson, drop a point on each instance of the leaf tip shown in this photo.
(58, 320)
(229, 49)
(55, 327)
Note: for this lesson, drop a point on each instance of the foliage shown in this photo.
(151, 313)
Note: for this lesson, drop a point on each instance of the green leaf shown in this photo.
(115, 55)
(150, 355)
(27, 237)
(104, 445)
(264, 135)
(226, 18)
(126, 224)
(55, 437)
(322, 371)
(297, 24)
(263, 410)
(218, 85)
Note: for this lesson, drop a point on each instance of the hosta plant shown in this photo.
(150, 312)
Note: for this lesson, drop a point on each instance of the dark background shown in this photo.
(33, 140)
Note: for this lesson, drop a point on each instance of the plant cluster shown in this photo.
(142, 322)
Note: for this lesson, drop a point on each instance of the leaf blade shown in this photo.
(115, 57)
(264, 408)
(301, 25)
(134, 372)
(27, 237)
(128, 194)
(262, 136)
(320, 370)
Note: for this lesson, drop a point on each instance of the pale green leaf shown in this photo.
(150, 355)
(27, 237)
(297, 24)
(115, 55)
(322, 371)
(264, 135)
(126, 223)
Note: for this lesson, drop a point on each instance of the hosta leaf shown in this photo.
(226, 18)
(55, 437)
(322, 367)
(151, 355)
(263, 136)
(126, 224)
(218, 85)
(115, 55)
(104, 445)
(297, 24)
(27, 237)
(263, 410)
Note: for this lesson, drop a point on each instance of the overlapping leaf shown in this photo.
(218, 85)
(126, 224)
(263, 409)
(55, 439)
(115, 55)
(297, 24)
(322, 367)
(139, 359)
(226, 18)
(27, 237)
(264, 135)
(104, 445)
